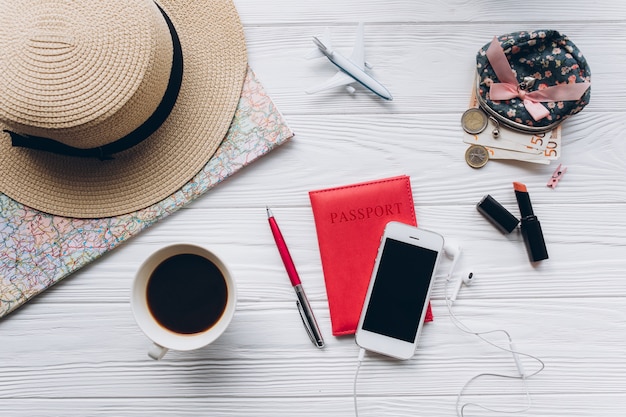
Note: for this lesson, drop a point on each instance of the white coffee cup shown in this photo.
(169, 294)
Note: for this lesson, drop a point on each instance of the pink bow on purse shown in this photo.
(509, 87)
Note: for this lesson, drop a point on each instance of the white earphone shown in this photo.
(466, 278)
(452, 249)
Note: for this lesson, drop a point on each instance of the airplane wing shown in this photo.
(358, 53)
(338, 80)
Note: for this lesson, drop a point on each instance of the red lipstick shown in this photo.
(530, 226)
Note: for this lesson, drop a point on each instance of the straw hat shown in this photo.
(128, 99)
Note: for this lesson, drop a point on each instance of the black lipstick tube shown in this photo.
(500, 217)
(530, 226)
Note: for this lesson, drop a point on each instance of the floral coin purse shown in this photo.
(532, 81)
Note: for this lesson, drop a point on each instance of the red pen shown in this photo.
(303, 303)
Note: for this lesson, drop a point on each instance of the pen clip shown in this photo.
(307, 325)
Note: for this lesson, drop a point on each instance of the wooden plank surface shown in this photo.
(76, 351)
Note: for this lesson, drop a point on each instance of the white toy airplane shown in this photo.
(350, 69)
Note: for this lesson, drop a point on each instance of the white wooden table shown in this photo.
(76, 351)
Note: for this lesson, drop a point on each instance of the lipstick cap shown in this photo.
(533, 238)
(500, 217)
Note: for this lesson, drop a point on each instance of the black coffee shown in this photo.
(187, 293)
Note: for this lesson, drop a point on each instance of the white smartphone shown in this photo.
(399, 289)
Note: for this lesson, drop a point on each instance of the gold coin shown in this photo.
(476, 156)
(474, 121)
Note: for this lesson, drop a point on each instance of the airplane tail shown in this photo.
(322, 39)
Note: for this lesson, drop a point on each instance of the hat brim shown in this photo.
(215, 63)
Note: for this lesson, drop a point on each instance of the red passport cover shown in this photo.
(349, 221)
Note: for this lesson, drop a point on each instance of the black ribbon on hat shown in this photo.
(135, 137)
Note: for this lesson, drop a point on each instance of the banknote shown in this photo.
(552, 150)
(508, 140)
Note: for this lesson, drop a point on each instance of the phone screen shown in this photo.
(400, 290)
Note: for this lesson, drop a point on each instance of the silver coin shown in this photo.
(476, 156)
(474, 121)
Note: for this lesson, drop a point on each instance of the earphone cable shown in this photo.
(464, 328)
(523, 376)
(356, 375)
